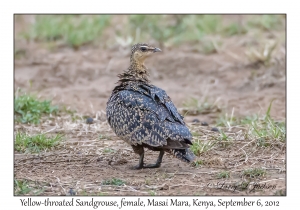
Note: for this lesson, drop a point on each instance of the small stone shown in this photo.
(204, 123)
(196, 121)
(71, 192)
(215, 129)
(89, 120)
(52, 123)
(164, 187)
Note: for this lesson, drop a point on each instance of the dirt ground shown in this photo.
(83, 80)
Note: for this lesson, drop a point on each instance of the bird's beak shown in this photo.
(157, 50)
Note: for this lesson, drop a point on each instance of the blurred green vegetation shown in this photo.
(176, 29)
(78, 30)
(74, 30)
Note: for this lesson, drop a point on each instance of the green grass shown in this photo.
(234, 28)
(199, 146)
(68, 110)
(263, 128)
(108, 150)
(152, 193)
(224, 139)
(198, 163)
(102, 137)
(168, 30)
(85, 193)
(35, 143)
(266, 128)
(113, 181)
(226, 120)
(158, 27)
(194, 106)
(176, 29)
(173, 29)
(22, 187)
(254, 172)
(74, 30)
(223, 175)
(29, 109)
(281, 192)
(267, 22)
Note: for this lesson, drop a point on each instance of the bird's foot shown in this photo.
(138, 167)
(152, 165)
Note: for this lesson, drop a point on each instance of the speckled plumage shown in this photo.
(143, 115)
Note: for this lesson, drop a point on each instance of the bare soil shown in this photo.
(83, 80)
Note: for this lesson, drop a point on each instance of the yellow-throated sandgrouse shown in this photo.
(144, 115)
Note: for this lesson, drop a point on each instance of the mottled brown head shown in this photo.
(137, 71)
(139, 52)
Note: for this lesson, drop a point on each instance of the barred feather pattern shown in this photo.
(142, 114)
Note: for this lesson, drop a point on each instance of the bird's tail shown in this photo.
(185, 155)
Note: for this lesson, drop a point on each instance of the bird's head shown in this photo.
(140, 51)
(137, 70)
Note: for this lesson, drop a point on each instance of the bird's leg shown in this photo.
(139, 150)
(158, 162)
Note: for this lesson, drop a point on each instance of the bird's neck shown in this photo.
(137, 71)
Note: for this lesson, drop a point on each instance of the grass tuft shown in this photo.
(267, 129)
(199, 147)
(113, 181)
(223, 175)
(254, 172)
(104, 137)
(21, 187)
(198, 163)
(24, 187)
(263, 54)
(36, 143)
(152, 193)
(262, 128)
(108, 150)
(29, 109)
(224, 139)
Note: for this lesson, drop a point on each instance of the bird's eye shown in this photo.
(143, 49)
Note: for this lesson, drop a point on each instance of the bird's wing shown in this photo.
(148, 115)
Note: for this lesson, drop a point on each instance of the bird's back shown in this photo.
(141, 113)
